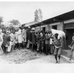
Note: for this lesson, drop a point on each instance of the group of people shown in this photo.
(40, 41)
(45, 42)
(11, 40)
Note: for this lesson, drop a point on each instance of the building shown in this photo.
(37, 19)
(64, 22)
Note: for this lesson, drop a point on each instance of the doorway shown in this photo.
(69, 33)
(44, 29)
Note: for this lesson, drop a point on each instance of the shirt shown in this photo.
(73, 38)
(24, 34)
(1, 39)
(51, 41)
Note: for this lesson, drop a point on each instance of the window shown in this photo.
(54, 27)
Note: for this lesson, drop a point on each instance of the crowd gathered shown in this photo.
(39, 41)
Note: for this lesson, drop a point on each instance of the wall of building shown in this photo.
(60, 26)
(68, 21)
(37, 28)
(47, 28)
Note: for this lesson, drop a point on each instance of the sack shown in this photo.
(72, 47)
(57, 42)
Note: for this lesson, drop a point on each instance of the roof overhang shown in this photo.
(59, 18)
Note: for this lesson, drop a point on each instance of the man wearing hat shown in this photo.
(28, 37)
(33, 38)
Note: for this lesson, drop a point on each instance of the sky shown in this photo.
(24, 11)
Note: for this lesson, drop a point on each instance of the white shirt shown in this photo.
(24, 34)
(19, 36)
(51, 41)
(1, 38)
(73, 38)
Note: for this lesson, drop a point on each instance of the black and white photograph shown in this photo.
(36, 33)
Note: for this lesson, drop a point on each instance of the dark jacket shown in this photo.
(6, 39)
(33, 37)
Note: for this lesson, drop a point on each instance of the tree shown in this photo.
(38, 15)
(2, 26)
(15, 22)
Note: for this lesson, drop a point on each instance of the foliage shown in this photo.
(15, 22)
(38, 15)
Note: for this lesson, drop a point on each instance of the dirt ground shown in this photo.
(20, 56)
(27, 56)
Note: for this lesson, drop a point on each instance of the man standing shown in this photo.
(58, 47)
(51, 42)
(38, 41)
(33, 38)
(46, 42)
(72, 47)
(12, 38)
(28, 37)
(24, 37)
(41, 42)
(1, 41)
(20, 38)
